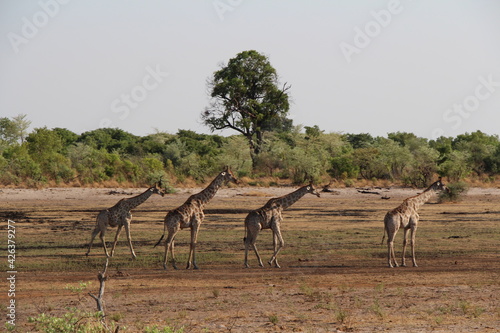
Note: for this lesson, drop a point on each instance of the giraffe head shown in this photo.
(227, 176)
(310, 189)
(439, 186)
(157, 188)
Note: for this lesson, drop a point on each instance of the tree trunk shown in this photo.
(255, 147)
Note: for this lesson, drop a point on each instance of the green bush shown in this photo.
(113, 155)
(454, 193)
(73, 321)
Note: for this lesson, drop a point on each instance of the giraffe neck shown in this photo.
(209, 192)
(131, 203)
(289, 199)
(422, 198)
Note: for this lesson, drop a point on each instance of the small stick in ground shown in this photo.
(102, 279)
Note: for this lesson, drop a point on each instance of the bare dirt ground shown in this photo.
(333, 277)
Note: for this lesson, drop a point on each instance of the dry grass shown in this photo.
(333, 275)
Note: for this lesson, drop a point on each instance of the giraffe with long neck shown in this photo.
(190, 215)
(270, 216)
(406, 216)
(119, 215)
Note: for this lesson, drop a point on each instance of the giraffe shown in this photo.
(119, 215)
(190, 215)
(406, 217)
(269, 216)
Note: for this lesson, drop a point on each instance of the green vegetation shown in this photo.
(454, 193)
(273, 319)
(247, 98)
(156, 329)
(109, 156)
(72, 321)
(75, 320)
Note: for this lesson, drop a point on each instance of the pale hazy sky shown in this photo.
(431, 67)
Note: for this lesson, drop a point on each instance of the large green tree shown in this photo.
(247, 97)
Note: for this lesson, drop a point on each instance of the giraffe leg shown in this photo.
(392, 256)
(275, 247)
(412, 241)
(94, 234)
(276, 238)
(250, 241)
(172, 253)
(116, 239)
(101, 226)
(129, 239)
(101, 236)
(257, 254)
(169, 242)
(391, 228)
(405, 242)
(247, 241)
(192, 247)
(253, 226)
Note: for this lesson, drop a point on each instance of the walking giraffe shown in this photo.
(190, 215)
(119, 215)
(269, 216)
(406, 217)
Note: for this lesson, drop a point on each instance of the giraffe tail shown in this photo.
(383, 237)
(158, 243)
(246, 231)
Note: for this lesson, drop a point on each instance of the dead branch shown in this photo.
(100, 306)
(368, 192)
(102, 280)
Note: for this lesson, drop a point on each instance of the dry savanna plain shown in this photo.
(334, 275)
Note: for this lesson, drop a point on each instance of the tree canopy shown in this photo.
(246, 96)
(13, 130)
